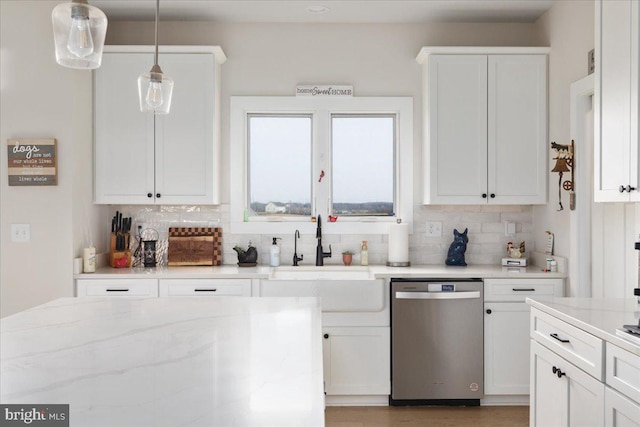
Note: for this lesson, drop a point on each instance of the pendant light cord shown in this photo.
(157, 13)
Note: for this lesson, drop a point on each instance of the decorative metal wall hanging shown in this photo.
(565, 162)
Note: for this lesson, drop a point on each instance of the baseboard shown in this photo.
(505, 400)
(383, 400)
(367, 400)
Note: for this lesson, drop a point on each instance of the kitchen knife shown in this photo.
(116, 218)
(120, 221)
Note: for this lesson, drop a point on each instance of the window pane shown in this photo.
(363, 164)
(280, 164)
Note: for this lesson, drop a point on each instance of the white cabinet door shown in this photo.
(616, 101)
(124, 137)
(145, 159)
(620, 411)
(586, 397)
(517, 129)
(548, 393)
(486, 129)
(455, 166)
(356, 360)
(185, 137)
(561, 393)
(506, 348)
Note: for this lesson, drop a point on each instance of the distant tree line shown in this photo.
(357, 209)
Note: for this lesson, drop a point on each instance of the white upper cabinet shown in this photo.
(165, 159)
(617, 174)
(485, 125)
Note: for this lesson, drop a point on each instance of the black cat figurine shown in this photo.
(457, 248)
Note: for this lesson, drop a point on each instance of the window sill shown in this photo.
(368, 226)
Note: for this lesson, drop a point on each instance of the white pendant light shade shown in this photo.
(79, 31)
(154, 91)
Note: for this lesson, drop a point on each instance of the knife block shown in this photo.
(118, 259)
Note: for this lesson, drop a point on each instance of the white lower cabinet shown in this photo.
(117, 288)
(506, 348)
(574, 384)
(561, 393)
(620, 411)
(506, 335)
(356, 360)
(205, 287)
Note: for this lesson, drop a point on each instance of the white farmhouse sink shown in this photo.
(329, 272)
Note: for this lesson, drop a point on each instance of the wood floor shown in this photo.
(406, 416)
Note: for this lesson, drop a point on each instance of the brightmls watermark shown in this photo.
(34, 415)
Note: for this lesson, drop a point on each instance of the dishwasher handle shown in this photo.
(438, 295)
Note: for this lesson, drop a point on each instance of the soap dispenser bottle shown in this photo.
(364, 254)
(274, 253)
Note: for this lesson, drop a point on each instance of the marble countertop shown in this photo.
(378, 271)
(168, 361)
(599, 317)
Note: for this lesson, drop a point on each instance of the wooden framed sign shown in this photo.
(32, 162)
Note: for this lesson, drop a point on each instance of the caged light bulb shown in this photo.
(80, 41)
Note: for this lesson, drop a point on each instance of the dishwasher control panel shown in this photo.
(441, 287)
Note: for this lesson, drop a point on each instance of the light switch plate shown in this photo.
(434, 228)
(509, 228)
(20, 233)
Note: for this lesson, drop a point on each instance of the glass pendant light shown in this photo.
(154, 88)
(79, 31)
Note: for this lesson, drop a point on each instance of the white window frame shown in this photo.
(321, 110)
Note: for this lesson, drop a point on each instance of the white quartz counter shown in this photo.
(600, 317)
(168, 361)
(378, 271)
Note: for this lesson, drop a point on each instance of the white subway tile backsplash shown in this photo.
(487, 242)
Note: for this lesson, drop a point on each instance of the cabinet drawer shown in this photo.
(516, 290)
(117, 288)
(205, 287)
(623, 371)
(577, 346)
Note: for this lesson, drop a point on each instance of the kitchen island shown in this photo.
(168, 362)
(585, 371)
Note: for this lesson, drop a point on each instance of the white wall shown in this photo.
(378, 60)
(569, 29)
(39, 99)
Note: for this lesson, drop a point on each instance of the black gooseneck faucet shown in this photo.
(296, 258)
(320, 254)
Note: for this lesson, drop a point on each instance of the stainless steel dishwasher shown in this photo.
(436, 342)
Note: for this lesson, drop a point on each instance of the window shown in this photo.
(279, 149)
(363, 185)
(293, 158)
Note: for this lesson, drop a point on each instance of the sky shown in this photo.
(362, 153)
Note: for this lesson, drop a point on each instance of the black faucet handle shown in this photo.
(327, 254)
(297, 258)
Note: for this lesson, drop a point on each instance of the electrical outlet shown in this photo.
(20, 233)
(434, 229)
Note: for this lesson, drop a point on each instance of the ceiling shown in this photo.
(338, 11)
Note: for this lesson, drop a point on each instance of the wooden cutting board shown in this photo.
(195, 246)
